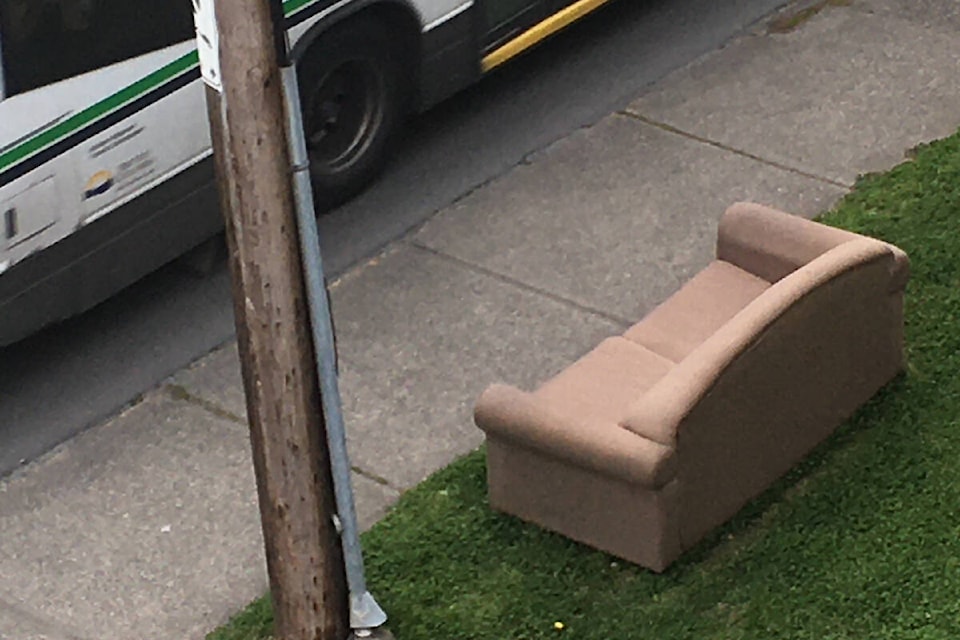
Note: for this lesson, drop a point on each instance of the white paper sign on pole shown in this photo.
(208, 44)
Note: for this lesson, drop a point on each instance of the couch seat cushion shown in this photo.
(601, 385)
(696, 311)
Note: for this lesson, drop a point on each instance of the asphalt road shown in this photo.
(78, 373)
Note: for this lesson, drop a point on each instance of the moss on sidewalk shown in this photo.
(862, 540)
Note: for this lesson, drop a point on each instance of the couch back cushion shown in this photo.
(697, 310)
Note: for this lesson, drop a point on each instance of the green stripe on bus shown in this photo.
(98, 110)
(289, 6)
(129, 93)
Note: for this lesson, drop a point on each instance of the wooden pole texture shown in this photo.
(295, 489)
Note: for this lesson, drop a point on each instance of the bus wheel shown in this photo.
(352, 94)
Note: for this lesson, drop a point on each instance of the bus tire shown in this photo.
(353, 95)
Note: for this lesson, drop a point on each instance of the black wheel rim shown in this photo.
(345, 111)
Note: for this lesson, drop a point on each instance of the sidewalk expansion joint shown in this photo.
(182, 394)
(527, 159)
(796, 15)
(613, 318)
(663, 126)
(369, 475)
(40, 623)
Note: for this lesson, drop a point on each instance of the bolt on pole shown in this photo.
(238, 47)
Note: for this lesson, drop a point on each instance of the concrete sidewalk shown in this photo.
(146, 526)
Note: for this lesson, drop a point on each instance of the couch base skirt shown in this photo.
(630, 521)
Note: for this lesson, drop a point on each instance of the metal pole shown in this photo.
(366, 615)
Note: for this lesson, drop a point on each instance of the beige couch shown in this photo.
(657, 436)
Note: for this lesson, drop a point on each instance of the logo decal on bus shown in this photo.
(99, 183)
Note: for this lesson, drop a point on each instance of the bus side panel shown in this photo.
(168, 133)
(113, 197)
(33, 213)
(91, 143)
(35, 210)
(110, 253)
(451, 55)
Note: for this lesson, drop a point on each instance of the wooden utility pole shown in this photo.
(245, 108)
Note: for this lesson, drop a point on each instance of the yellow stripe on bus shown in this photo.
(539, 31)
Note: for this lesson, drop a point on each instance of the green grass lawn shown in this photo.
(861, 541)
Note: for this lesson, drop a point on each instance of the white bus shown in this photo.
(105, 170)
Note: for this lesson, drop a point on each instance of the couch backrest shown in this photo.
(772, 244)
(661, 410)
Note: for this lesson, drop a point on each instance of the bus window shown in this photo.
(45, 41)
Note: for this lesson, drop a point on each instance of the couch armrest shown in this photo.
(900, 271)
(772, 244)
(521, 418)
